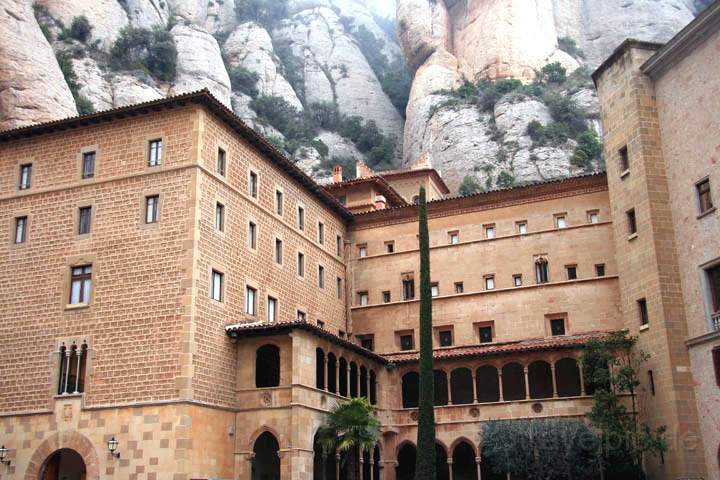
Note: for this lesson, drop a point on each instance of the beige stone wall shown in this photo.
(687, 111)
(647, 263)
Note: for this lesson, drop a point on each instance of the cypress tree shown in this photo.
(425, 463)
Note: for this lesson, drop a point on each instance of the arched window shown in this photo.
(567, 378)
(488, 385)
(320, 369)
(331, 368)
(323, 462)
(343, 377)
(405, 469)
(266, 462)
(540, 380)
(442, 471)
(353, 380)
(410, 389)
(373, 387)
(72, 360)
(542, 274)
(513, 382)
(267, 366)
(461, 386)
(363, 382)
(441, 388)
(464, 462)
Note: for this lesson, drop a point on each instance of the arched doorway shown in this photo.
(540, 379)
(323, 462)
(406, 463)
(64, 464)
(464, 467)
(442, 470)
(266, 462)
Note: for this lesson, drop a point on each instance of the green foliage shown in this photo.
(41, 15)
(549, 449)
(348, 165)
(569, 46)
(351, 427)
(80, 29)
(553, 73)
(83, 105)
(320, 146)
(153, 51)
(368, 139)
(280, 114)
(588, 150)
(267, 13)
(505, 179)
(325, 115)
(470, 186)
(425, 461)
(293, 67)
(244, 80)
(612, 367)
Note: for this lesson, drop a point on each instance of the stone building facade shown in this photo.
(173, 284)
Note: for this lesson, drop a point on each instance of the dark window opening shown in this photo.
(513, 382)
(373, 388)
(386, 296)
(485, 334)
(267, 366)
(459, 287)
(278, 202)
(152, 209)
(410, 389)
(624, 159)
(441, 387)
(88, 165)
(353, 380)
(643, 311)
(253, 185)
(704, 196)
(461, 386)
(600, 269)
(540, 380)
(219, 217)
(651, 382)
(408, 289)
(367, 343)
(320, 369)
(541, 271)
(488, 384)
(220, 167)
(631, 221)
(567, 378)
(342, 377)
(406, 342)
(331, 368)
(571, 272)
(20, 229)
(363, 382)
(446, 338)
(557, 327)
(80, 284)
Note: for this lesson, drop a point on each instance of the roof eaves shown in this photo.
(621, 49)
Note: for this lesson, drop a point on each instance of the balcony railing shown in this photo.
(715, 318)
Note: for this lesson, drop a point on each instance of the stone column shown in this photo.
(554, 380)
(500, 385)
(475, 387)
(478, 462)
(337, 375)
(249, 457)
(449, 389)
(361, 461)
(450, 465)
(367, 382)
(337, 465)
(327, 374)
(582, 379)
(78, 352)
(527, 383)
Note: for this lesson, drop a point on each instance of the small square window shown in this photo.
(557, 327)
(459, 287)
(25, 176)
(338, 245)
(704, 195)
(522, 228)
(321, 233)
(321, 277)
(631, 221)
(343, 199)
(221, 162)
(571, 271)
(434, 289)
(278, 251)
(446, 338)
(278, 202)
(301, 316)
(367, 343)
(643, 312)
(321, 324)
(272, 309)
(560, 221)
(490, 231)
(406, 342)
(301, 218)
(253, 184)
(301, 264)
(362, 251)
(386, 296)
(624, 159)
(155, 152)
(80, 284)
(216, 291)
(252, 235)
(219, 217)
(338, 284)
(341, 334)
(486, 334)
(152, 209)
(88, 164)
(84, 220)
(517, 280)
(250, 300)
(390, 247)
(363, 299)
(21, 229)
(489, 282)
(593, 216)
(454, 237)
(600, 270)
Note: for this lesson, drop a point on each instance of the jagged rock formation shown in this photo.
(107, 17)
(32, 87)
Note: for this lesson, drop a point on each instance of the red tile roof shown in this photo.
(392, 196)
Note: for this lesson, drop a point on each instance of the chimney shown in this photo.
(362, 170)
(422, 162)
(337, 174)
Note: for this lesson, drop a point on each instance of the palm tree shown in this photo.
(351, 428)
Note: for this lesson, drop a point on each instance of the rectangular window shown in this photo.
(271, 310)
(221, 162)
(278, 251)
(338, 284)
(557, 327)
(367, 343)
(489, 282)
(155, 151)
(80, 284)
(716, 364)
(301, 316)
(252, 235)
(389, 247)
(704, 195)
(20, 229)
(278, 202)
(631, 221)
(624, 159)
(446, 338)
(341, 334)
(386, 296)
(434, 289)
(321, 233)
(651, 382)
(363, 298)
(454, 237)
(152, 209)
(571, 271)
(88, 164)
(321, 324)
(593, 216)
(338, 245)
(541, 271)
(459, 287)
(408, 289)
(250, 300)
(301, 218)
(643, 311)
(517, 280)
(219, 217)
(301, 264)
(713, 280)
(84, 220)
(362, 251)
(321, 277)
(600, 270)
(522, 228)
(216, 291)
(490, 231)
(560, 221)
(253, 184)
(25, 176)
(486, 334)
(406, 342)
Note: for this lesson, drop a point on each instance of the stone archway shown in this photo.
(71, 441)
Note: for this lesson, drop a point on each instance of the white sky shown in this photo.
(386, 8)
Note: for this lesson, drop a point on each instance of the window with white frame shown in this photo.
(489, 282)
(301, 218)
(522, 227)
(152, 209)
(25, 176)
(221, 164)
(434, 289)
(252, 235)
(301, 264)
(363, 299)
(489, 231)
(88, 164)
(80, 284)
(21, 224)
(272, 309)
(321, 277)
(155, 152)
(216, 288)
(278, 251)
(250, 300)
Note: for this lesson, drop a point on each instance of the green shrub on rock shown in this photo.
(153, 51)
(80, 29)
(243, 80)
